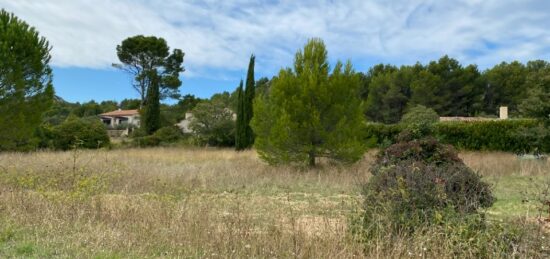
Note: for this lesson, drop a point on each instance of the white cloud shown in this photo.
(220, 35)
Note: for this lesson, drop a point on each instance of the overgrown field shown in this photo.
(174, 202)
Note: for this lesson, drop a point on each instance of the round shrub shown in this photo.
(420, 115)
(419, 182)
(76, 133)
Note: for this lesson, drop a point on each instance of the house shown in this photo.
(184, 124)
(120, 119)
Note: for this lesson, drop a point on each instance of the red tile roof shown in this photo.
(120, 113)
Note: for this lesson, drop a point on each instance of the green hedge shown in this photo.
(498, 135)
(381, 135)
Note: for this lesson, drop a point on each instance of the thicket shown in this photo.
(73, 133)
(163, 136)
(520, 136)
(422, 194)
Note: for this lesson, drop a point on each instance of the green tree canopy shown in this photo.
(310, 113)
(504, 84)
(139, 55)
(213, 123)
(26, 89)
(537, 102)
(387, 97)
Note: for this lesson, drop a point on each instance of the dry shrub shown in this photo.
(422, 200)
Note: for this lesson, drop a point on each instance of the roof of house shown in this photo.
(120, 113)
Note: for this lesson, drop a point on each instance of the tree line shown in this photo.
(304, 113)
(452, 89)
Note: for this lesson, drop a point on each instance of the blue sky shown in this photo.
(219, 36)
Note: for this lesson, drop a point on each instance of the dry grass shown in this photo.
(173, 202)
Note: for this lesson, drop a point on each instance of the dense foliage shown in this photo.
(163, 136)
(213, 124)
(537, 102)
(140, 55)
(455, 90)
(418, 182)
(244, 137)
(26, 89)
(497, 135)
(76, 133)
(420, 115)
(240, 124)
(500, 135)
(150, 117)
(310, 112)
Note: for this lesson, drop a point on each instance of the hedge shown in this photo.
(518, 136)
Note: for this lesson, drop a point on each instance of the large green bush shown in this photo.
(76, 133)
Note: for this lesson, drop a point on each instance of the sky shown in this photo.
(218, 37)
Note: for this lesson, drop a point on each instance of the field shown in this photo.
(214, 203)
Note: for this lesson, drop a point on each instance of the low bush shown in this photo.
(163, 136)
(78, 133)
(147, 141)
(420, 115)
(169, 134)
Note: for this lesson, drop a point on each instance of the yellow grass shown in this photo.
(174, 202)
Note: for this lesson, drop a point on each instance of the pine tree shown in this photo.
(249, 94)
(240, 127)
(151, 113)
(310, 113)
(26, 90)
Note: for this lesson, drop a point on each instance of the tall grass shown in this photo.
(173, 202)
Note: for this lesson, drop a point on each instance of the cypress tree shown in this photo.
(151, 114)
(240, 143)
(248, 99)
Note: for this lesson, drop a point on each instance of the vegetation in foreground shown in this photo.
(170, 202)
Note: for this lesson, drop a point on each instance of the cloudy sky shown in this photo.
(219, 36)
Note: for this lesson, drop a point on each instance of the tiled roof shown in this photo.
(120, 113)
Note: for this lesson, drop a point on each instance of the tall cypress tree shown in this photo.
(240, 143)
(249, 94)
(151, 114)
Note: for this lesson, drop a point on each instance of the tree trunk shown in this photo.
(312, 158)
